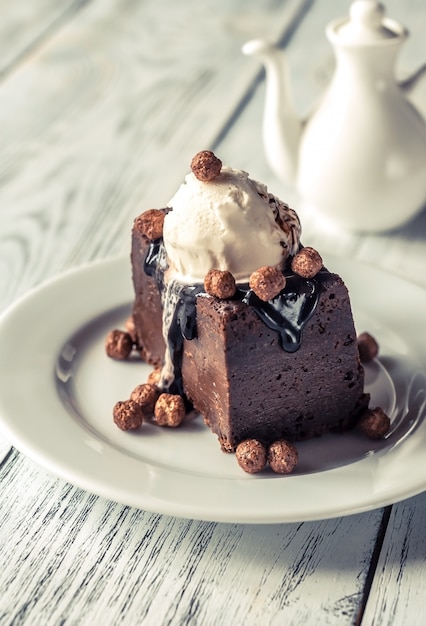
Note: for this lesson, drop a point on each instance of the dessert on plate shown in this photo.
(242, 323)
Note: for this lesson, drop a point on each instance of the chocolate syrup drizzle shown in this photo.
(290, 310)
(179, 315)
(287, 313)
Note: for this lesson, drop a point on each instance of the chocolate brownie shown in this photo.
(246, 378)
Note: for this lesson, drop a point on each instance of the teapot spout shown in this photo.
(282, 128)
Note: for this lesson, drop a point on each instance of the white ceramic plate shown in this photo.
(57, 390)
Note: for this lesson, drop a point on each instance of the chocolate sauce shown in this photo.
(290, 310)
(179, 315)
(287, 313)
(156, 262)
(179, 323)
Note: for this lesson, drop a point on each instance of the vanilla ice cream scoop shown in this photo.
(228, 223)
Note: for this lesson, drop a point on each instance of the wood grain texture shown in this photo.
(95, 123)
(25, 25)
(94, 120)
(73, 558)
(398, 590)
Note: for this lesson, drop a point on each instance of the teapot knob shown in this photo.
(367, 13)
(367, 25)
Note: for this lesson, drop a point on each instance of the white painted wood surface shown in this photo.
(398, 591)
(74, 557)
(102, 104)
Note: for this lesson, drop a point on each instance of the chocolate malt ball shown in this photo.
(368, 347)
(307, 263)
(118, 344)
(127, 415)
(169, 410)
(282, 456)
(206, 166)
(150, 223)
(251, 456)
(220, 284)
(267, 282)
(145, 396)
(374, 423)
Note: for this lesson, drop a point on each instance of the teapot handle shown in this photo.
(408, 84)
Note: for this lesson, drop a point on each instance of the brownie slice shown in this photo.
(246, 386)
(237, 374)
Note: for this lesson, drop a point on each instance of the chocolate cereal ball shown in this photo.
(307, 262)
(146, 396)
(118, 344)
(169, 410)
(220, 284)
(206, 166)
(282, 456)
(127, 415)
(368, 347)
(251, 456)
(267, 282)
(374, 423)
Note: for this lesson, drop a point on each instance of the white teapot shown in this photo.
(360, 158)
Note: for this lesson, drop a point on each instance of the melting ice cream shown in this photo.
(229, 223)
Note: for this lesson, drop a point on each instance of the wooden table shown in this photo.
(102, 105)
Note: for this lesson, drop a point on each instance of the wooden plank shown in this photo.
(102, 121)
(398, 591)
(25, 25)
(69, 189)
(75, 558)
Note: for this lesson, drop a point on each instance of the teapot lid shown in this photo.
(366, 25)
